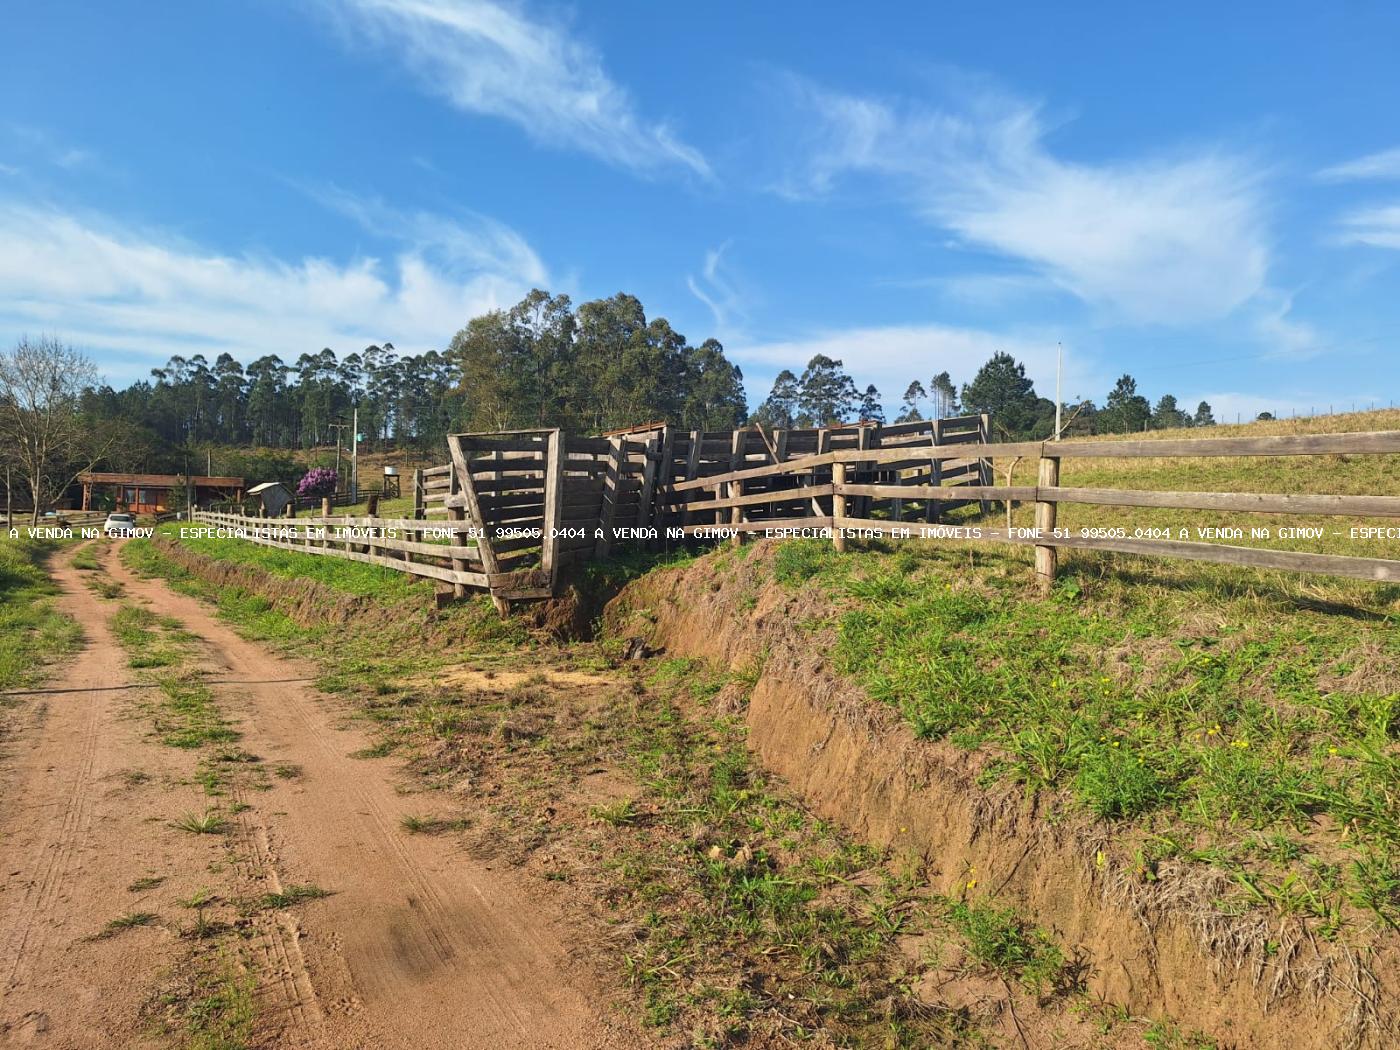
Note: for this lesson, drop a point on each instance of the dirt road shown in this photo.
(418, 945)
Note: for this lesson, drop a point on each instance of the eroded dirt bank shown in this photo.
(1150, 947)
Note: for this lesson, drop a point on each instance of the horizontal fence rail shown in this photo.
(363, 539)
(510, 510)
(1048, 494)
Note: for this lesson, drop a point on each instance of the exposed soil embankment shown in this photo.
(1157, 948)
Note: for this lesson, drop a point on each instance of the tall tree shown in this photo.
(779, 409)
(913, 394)
(825, 393)
(714, 389)
(1126, 411)
(1002, 389)
(1204, 417)
(944, 394)
(1166, 416)
(41, 387)
(870, 407)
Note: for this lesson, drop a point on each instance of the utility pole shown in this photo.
(9, 499)
(1059, 362)
(338, 428)
(355, 455)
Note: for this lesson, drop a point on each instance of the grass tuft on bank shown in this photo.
(33, 634)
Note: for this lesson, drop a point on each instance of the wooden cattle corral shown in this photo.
(519, 506)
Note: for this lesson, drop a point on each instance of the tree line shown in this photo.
(541, 363)
(825, 393)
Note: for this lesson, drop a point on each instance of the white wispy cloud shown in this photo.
(492, 58)
(891, 356)
(714, 288)
(39, 148)
(469, 242)
(1384, 165)
(131, 298)
(1167, 239)
(1378, 227)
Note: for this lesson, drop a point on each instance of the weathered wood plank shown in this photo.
(1378, 570)
(775, 524)
(553, 502)
(965, 493)
(859, 456)
(1248, 502)
(1374, 443)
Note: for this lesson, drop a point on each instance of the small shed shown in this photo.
(273, 496)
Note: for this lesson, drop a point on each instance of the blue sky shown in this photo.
(1208, 199)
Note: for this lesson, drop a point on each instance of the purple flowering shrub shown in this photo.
(319, 481)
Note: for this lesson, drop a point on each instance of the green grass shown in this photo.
(350, 577)
(33, 634)
(291, 896)
(1188, 703)
(139, 632)
(416, 825)
(85, 558)
(710, 869)
(128, 921)
(150, 882)
(210, 822)
(185, 710)
(1004, 943)
(215, 1009)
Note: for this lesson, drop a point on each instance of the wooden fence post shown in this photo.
(692, 469)
(984, 466)
(647, 512)
(608, 510)
(933, 512)
(738, 446)
(1046, 556)
(555, 459)
(863, 503)
(736, 513)
(418, 493)
(838, 505)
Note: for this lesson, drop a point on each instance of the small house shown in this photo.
(154, 493)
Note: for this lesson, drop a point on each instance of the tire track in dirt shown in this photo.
(77, 828)
(294, 1010)
(419, 946)
(30, 934)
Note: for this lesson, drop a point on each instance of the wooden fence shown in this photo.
(834, 476)
(446, 551)
(511, 509)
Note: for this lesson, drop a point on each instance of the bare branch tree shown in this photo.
(41, 384)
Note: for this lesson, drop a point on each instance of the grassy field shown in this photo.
(1241, 719)
(1209, 717)
(1353, 475)
(351, 577)
(733, 913)
(32, 633)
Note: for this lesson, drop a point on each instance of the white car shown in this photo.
(119, 523)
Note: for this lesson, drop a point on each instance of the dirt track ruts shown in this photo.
(418, 946)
